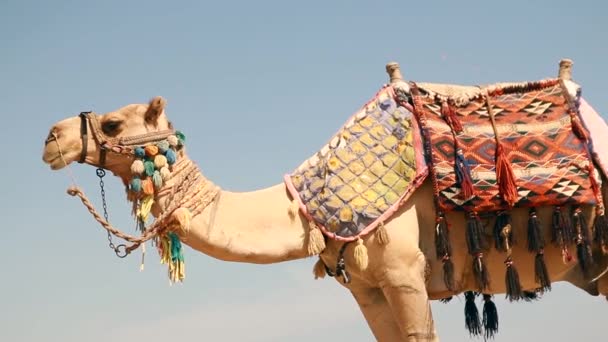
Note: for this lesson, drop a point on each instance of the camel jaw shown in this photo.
(54, 158)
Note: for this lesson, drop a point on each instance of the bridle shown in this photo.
(122, 145)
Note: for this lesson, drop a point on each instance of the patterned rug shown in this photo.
(549, 162)
(368, 168)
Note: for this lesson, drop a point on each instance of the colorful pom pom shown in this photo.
(149, 167)
(163, 146)
(171, 157)
(165, 173)
(151, 150)
(137, 168)
(181, 138)
(173, 140)
(160, 161)
(139, 152)
(157, 179)
(136, 184)
(147, 186)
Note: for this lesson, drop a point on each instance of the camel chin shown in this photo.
(53, 158)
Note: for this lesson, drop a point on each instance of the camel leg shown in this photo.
(377, 313)
(407, 296)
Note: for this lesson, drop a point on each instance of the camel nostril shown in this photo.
(51, 137)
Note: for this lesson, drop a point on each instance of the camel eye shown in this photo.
(111, 127)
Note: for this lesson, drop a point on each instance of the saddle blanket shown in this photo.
(361, 176)
(550, 162)
(377, 159)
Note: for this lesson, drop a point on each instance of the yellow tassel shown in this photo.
(382, 235)
(164, 249)
(319, 269)
(143, 257)
(316, 242)
(360, 254)
(182, 217)
(294, 208)
(145, 207)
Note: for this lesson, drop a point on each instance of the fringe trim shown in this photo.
(562, 232)
(450, 116)
(513, 286)
(490, 317)
(316, 241)
(319, 270)
(600, 230)
(536, 240)
(475, 234)
(448, 273)
(541, 275)
(463, 174)
(482, 277)
(505, 177)
(382, 235)
(583, 248)
(360, 254)
(471, 314)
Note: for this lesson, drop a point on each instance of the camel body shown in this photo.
(393, 291)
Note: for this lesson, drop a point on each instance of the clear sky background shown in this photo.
(257, 86)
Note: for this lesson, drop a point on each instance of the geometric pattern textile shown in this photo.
(550, 163)
(363, 174)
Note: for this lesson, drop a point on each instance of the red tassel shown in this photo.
(449, 114)
(505, 177)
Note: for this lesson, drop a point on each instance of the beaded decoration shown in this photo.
(150, 170)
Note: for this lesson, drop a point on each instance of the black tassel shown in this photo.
(558, 228)
(512, 283)
(536, 241)
(540, 272)
(482, 277)
(446, 300)
(583, 249)
(530, 296)
(475, 234)
(448, 273)
(503, 233)
(600, 231)
(490, 317)
(442, 237)
(471, 314)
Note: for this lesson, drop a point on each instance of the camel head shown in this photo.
(106, 140)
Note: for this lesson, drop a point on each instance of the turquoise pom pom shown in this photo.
(136, 184)
(139, 152)
(157, 179)
(171, 157)
(163, 146)
(180, 137)
(149, 167)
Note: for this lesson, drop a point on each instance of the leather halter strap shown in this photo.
(123, 145)
(84, 136)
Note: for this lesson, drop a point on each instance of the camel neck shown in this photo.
(252, 227)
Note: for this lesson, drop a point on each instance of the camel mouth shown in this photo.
(54, 158)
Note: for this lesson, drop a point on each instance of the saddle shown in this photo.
(488, 149)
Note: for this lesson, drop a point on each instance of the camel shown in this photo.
(394, 285)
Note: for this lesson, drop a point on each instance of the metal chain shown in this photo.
(120, 250)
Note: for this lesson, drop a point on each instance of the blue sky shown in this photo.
(257, 86)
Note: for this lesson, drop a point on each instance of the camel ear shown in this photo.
(155, 109)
